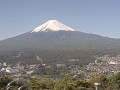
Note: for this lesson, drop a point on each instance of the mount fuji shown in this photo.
(55, 41)
(52, 25)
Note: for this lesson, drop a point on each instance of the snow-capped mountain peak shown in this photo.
(52, 25)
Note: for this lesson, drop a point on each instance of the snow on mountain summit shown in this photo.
(52, 25)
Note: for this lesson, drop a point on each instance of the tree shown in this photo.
(114, 82)
(102, 79)
(41, 83)
(64, 84)
(4, 81)
(72, 84)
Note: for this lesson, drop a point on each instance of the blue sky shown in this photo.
(100, 17)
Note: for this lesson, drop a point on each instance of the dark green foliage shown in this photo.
(56, 56)
(72, 84)
(68, 83)
(4, 81)
(42, 83)
(102, 79)
(42, 70)
(114, 82)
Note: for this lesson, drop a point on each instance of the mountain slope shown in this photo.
(59, 40)
(55, 41)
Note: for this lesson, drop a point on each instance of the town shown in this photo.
(105, 65)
